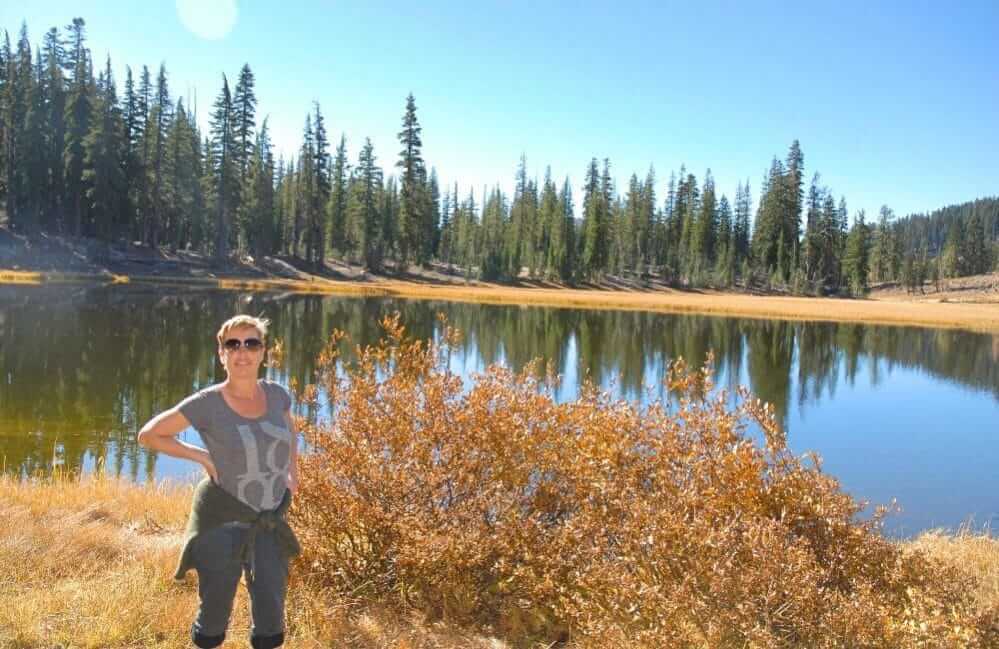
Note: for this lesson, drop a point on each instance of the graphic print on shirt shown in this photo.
(267, 476)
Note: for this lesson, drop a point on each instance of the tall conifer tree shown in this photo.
(412, 203)
(365, 206)
(223, 143)
(244, 108)
(103, 174)
(79, 112)
(338, 200)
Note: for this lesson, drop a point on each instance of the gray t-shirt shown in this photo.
(251, 455)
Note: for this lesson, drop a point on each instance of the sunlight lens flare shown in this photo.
(209, 20)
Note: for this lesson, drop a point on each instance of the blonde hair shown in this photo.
(260, 324)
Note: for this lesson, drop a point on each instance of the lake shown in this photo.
(895, 412)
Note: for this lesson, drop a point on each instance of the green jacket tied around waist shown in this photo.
(213, 506)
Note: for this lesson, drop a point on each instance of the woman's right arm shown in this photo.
(160, 434)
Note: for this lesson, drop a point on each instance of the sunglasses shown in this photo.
(250, 344)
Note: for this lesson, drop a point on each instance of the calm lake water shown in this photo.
(895, 412)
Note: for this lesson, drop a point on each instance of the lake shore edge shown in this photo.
(975, 316)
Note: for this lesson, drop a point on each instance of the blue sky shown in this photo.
(894, 103)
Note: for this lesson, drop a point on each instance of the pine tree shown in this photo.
(76, 54)
(461, 225)
(855, 261)
(55, 129)
(289, 207)
(569, 270)
(550, 214)
(204, 235)
(364, 205)
(388, 210)
(223, 143)
(725, 247)
(953, 261)
(922, 269)
(157, 127)
(907, 275)
(445, 245)
(20, 81)
(103, 174)
(305, 183)
(316, 251)
(630, 229)
(829, 258)
(593, 246)
(741, 231)
(976, 253)
(666, 241)
(616, 233)
(184, 204)
(244, 108)
(277, 226)
(884, 265)
(338, 200)
(532, 231)
(645, 227)
(812, 244)
(769, 244)
(79, 112)
(6, 69)
(257, 204)
(702, 251)
(495, 215)
(596, 208)
(411, 212)
(688, 202)
(514, 229)
(606, 203)
(465, 231)
(793, 188)
(133, 128)
(431, 222)
(33, 160)
(143, 100)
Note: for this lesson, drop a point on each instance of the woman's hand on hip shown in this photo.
(205, 460)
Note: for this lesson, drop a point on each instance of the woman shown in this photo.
(237, 518)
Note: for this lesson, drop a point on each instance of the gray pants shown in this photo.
(218, 577)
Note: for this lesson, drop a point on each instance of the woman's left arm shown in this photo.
(292, 479)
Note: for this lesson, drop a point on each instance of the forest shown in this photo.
(79, 159)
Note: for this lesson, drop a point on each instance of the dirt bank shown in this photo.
(971, 303)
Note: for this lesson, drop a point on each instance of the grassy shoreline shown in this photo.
(87, 562)
(981, 317)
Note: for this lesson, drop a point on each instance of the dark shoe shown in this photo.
(206, 641)
(267, 641)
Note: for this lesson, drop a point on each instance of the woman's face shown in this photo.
(242, 360)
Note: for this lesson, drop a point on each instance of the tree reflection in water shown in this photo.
(84, 366)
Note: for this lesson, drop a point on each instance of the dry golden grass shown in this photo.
(87, 562)
(974, 552)
(35, 277)
(20, 277)
(77, 574)
(977, 317)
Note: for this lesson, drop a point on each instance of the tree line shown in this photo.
(80, 159)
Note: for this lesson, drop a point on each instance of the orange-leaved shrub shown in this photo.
(597, 521)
